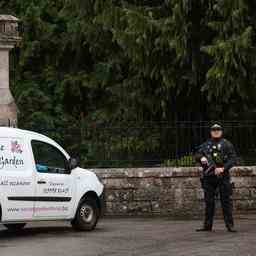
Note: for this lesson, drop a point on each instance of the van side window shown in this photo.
(49, 159)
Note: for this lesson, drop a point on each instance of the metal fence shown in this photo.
(150, 144)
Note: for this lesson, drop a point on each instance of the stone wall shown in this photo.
(174, 192)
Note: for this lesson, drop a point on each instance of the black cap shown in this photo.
(216, 127)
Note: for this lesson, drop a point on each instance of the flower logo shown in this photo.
(16, 147)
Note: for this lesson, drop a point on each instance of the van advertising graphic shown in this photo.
(12, 155)
(16, 147)
(15, 183)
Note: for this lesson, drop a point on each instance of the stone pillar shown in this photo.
(9, 36)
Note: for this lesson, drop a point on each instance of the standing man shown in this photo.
(217, 156)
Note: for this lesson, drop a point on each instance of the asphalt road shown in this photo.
(131, 237)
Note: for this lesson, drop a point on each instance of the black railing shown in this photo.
(150, 144)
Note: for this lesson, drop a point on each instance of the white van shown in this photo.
(39, 181)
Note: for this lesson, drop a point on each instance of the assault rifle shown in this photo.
(209, 169)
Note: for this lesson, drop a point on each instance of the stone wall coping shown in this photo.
(167, 172)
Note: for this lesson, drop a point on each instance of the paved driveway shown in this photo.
(131, 237)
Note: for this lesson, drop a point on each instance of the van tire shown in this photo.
(87, 215)
(15, 227)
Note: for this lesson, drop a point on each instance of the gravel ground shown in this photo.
(122, 236)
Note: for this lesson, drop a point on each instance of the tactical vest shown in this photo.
(216, 151)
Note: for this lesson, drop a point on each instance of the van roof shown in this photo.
(14, 132)
(7, 131)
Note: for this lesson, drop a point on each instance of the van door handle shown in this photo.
(41, 182)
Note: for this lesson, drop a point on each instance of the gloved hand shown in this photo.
(219, 171)
(204, 161)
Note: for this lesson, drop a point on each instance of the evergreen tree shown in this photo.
(111, 61)
(230, 80)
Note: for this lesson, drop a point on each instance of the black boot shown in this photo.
(231, 229)
(204, 229)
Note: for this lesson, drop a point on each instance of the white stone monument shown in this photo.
(9, 37)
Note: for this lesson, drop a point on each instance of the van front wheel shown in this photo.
(15, 227)
(87, 215)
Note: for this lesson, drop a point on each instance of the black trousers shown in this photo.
(210, 185)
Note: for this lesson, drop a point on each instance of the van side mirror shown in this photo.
(73, 163)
